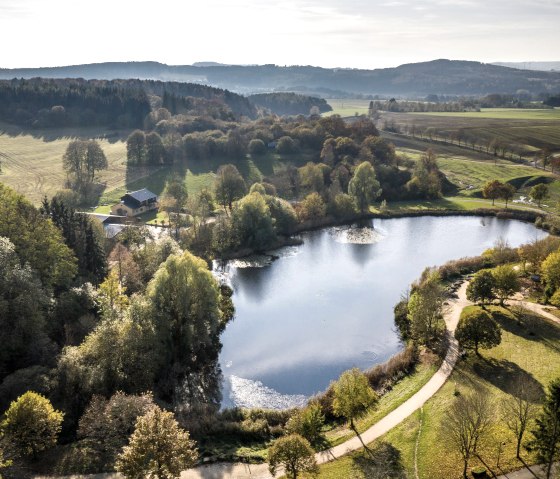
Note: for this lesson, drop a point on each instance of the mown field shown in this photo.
(347, 107)
(529, 130)
(503, 114)
(530, 349)
(32, 160)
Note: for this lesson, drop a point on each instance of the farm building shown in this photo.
(135, 203)
(112, 225)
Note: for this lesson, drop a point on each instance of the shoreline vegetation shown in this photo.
(543, 221)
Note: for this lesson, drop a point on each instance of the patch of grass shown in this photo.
(504, 114)
(347, 107)
(470, 176)
(530, 348)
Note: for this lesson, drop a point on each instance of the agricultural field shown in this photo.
(347, 107)
(529, 350)
(526, 130)
(32, 160)
(503, 114)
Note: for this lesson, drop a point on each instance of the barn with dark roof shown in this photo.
(135, 203)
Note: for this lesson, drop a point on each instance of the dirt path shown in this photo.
(260, 471)
(536, 308)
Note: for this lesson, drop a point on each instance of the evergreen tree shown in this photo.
(546, 440)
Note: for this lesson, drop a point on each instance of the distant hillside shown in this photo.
(448, 77)
(538, 66)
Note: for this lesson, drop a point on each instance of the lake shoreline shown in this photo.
(330, 221)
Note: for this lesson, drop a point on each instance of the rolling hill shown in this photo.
(449, 77)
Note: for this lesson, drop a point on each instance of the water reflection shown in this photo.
(326, 306)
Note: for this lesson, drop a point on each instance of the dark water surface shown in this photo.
(327, 305)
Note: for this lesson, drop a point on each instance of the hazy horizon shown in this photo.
(357, 34)
(527, 62)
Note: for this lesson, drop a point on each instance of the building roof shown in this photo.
(141, 195)
(105, 218)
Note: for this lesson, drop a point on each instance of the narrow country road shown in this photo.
(260, 471)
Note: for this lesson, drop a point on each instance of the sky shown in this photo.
(328, 33)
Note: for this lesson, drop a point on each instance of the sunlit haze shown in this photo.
(329, 33)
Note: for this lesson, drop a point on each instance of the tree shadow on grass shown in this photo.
(530, 326)
(506, 376)
(385, 461)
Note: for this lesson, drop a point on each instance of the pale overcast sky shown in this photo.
(330, 33)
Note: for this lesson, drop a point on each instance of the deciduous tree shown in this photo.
(481, 287)
(230, 185)
(364, 187)
(520, 409)
(294, 454)
(136, 147)
(477, 329)
(425, 309)
(492, 190)
(550, 268)
(308, 422)
(253, 222)
(31, 424)
(352, 397)
(158, 448)
(539, 193)
(506, 282)
(466, 422)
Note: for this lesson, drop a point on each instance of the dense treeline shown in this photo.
(42, 102)
(286, 103)
(53, 103)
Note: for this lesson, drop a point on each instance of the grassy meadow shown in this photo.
(32, 161)
(530, 349)
(503, 114)
(531, 130)
(347, 107)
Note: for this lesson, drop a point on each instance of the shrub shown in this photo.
(312, 207)
(257, 147)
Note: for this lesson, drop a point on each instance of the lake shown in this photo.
(327, 305)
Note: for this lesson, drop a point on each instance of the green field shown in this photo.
(347, 107)
(527, 130)
(503, 114)
(32, 160)
(529, 348)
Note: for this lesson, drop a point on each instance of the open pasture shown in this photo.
(519, 128)
(32, 161)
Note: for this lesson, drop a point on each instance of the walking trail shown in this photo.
(415, 402)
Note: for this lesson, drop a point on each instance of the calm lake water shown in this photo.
(327, 305)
